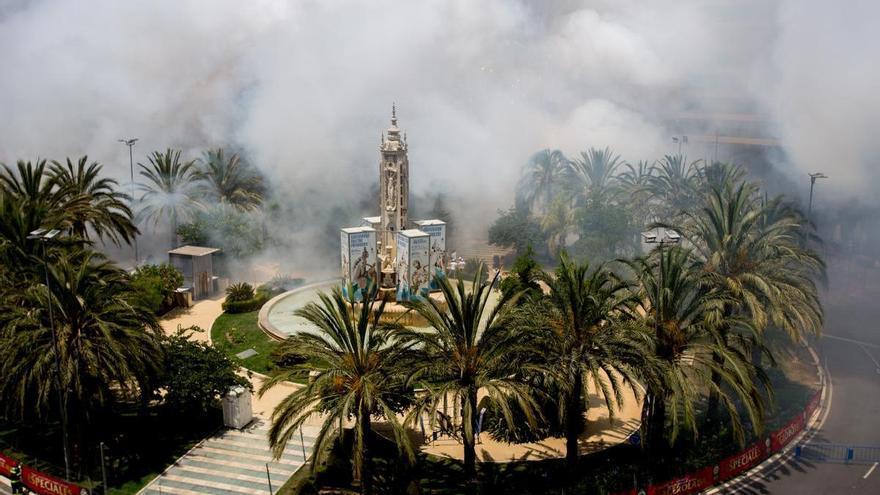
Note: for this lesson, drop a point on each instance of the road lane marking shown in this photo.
(871, 357)
(852, 341)
(869, 471)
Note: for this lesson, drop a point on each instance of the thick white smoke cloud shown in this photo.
(305, 87)
(822, 87)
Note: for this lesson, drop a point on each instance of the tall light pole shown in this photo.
(813, 177)
(130, 144)
(680, 140)
(45, 236)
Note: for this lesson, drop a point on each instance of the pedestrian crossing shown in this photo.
(233, 462)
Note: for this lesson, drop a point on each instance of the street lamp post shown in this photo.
(130, 144)
(813, 177)
(44, 236)
(680, 140)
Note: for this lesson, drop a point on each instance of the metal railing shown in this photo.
(829, 452)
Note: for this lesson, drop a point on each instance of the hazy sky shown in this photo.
(306, 87)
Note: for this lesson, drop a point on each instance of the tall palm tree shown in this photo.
(556, 223)
(470, 349)
(753, 253)
(679, 309)
(675, 183)
(358, 365)
(593, 174)
(169, 189)
(107, 342)
(107, 213)
(636, 181)
(585, 339)
(541, 178)
(230, 180)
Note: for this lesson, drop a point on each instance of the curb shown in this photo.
(813, 425)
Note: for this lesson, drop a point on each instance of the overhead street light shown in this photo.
(680, 140)
(130, 144)
(45, 236)
(813, 177)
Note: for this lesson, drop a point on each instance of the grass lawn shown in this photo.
(234, 333)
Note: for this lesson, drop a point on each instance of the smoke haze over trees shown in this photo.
(304, 88)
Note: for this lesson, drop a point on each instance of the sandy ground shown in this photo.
(600, 432)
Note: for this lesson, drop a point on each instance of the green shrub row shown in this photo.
(247, 305)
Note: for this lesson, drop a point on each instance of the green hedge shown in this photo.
(245, 306)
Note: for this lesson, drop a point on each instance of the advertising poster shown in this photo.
(420, 265)
(439, 258)
(412, 262)
(401, 264)
(359, 260)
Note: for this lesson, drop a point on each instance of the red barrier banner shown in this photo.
(43, 484)
(781, 437)
(691, 483)
(6, 465)
(735, 464)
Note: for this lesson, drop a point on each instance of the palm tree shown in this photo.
(679, 310)
(169, 189)
(675, 183)
(585, 339)
(753, 253)
(357, 364)
(230, 181)
(107, 213)
(593, 174)
(470, 349)
(556, 223)
(107, 342)
(541, 178)
(636, 181)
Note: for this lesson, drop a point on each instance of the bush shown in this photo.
(195, 374)
(249, 305)
(156, 284)
(242, 291)
(280, 283)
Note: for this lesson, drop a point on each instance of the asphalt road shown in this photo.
(851, 351)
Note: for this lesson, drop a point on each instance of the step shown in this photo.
(242, 459)
(265, 453)
(168, 489)
(249, 458)
(214, 476)
(308, 436)
(247, 469)
(205, 486)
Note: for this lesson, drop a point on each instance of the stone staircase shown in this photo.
(233, 462)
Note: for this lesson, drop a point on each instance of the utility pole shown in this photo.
(130, 144)
(813, 177)
(45, 236)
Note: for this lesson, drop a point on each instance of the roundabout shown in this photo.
(278, 321)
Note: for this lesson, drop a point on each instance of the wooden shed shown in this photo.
(197, 265)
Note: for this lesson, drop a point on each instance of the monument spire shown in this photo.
(393, 113)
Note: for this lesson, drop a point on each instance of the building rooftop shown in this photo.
(193, 251)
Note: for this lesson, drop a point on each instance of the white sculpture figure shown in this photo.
(389, 192)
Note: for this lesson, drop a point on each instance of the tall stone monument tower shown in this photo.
(393, 185)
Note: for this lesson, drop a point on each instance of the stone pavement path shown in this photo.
(233, 462)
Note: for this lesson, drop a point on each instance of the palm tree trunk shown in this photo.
(362, 473)
(573, 420)
(468, 434)
(654, 418)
